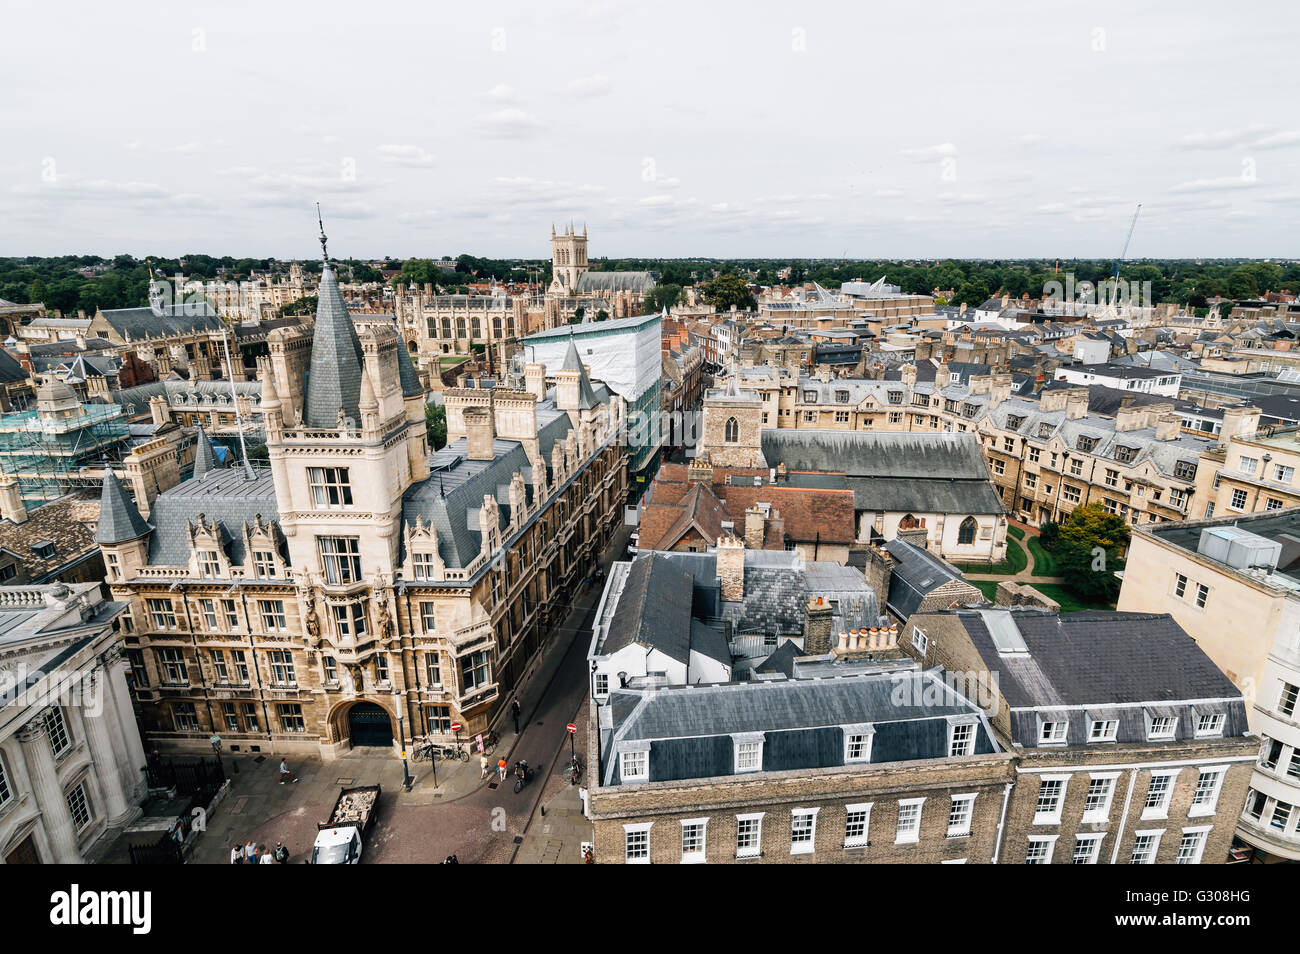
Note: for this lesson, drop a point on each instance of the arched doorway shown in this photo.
(368, 724)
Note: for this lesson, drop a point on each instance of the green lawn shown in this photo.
(1015, 531)
(1070, 602)
(1015, 561)
(1044, 562)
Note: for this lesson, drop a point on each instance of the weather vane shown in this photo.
(323, 253)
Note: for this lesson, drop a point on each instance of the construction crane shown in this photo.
(1124, 251)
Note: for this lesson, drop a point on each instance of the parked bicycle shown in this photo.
(490, 741)
(438, 751)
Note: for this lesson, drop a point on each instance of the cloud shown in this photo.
(1278, 140)
(502, 91)
(928, 153)
(510, 122)
(1221, 184)
(1257, 136)
(888, 193)
(590, 87)
(405, 155)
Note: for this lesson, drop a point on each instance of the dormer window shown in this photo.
(264, 564)
(857, 743)
(810, 397)
(748, 748)
(209, 563)
(842, 397)
(44, 550)
(422, 563)
(634, 766)
(961, 739)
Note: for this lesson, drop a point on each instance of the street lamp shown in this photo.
(215, 742)
(401, 732)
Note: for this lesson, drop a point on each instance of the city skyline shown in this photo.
(811, 134)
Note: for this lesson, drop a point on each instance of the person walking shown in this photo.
(285, 773)
(250, 853)
(237, 854)
(483, 764)
(501, 769)
(281, 853)
(264, 858)
(514, 711)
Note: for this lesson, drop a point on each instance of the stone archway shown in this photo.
(363, 723)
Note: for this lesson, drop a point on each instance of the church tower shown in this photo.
(568, 259)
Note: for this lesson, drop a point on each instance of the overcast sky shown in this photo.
(859, 129)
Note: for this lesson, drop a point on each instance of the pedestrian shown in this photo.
(250, 853)
(501, 769)
(285, 773)
(514, 711)
(281, 853)
(483, 764)
(264, 858)
(237, 854)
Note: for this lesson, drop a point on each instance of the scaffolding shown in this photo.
(51, 457)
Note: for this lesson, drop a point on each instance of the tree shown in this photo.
(435, 422)
(602, 315)
(729, 289)
(303, 306)
(661, 297)
(1088, 547)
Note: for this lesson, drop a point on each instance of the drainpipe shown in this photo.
(1002, 821)
(1119, 835)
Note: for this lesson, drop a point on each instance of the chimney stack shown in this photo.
(478, 432)
(11, 500)
(731, 568)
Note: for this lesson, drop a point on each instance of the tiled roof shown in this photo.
(334, 378)
(223, 496)
(119, 520)
(64, 523)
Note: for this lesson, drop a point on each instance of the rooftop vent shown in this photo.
(1239, 549)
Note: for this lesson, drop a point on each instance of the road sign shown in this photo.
(455, 727)
(571, 727)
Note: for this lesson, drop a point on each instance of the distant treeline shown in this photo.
(71, 282)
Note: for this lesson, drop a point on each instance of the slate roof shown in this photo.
(175, 320)
(651, 611)
(893, 471)
(334, 377)
(1093, 665)
(452, 497)
(204, 458)
(406, 372)
(689, 730)
(224, 496)
(916, 574)
(119, 520)
(10, 369)
(781, 661)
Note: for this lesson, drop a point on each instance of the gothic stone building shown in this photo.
(303, 607)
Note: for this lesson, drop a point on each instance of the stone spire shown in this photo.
(205, 458)
(334, 377)
(119, 520)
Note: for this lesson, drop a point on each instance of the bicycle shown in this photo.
(575, 770)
